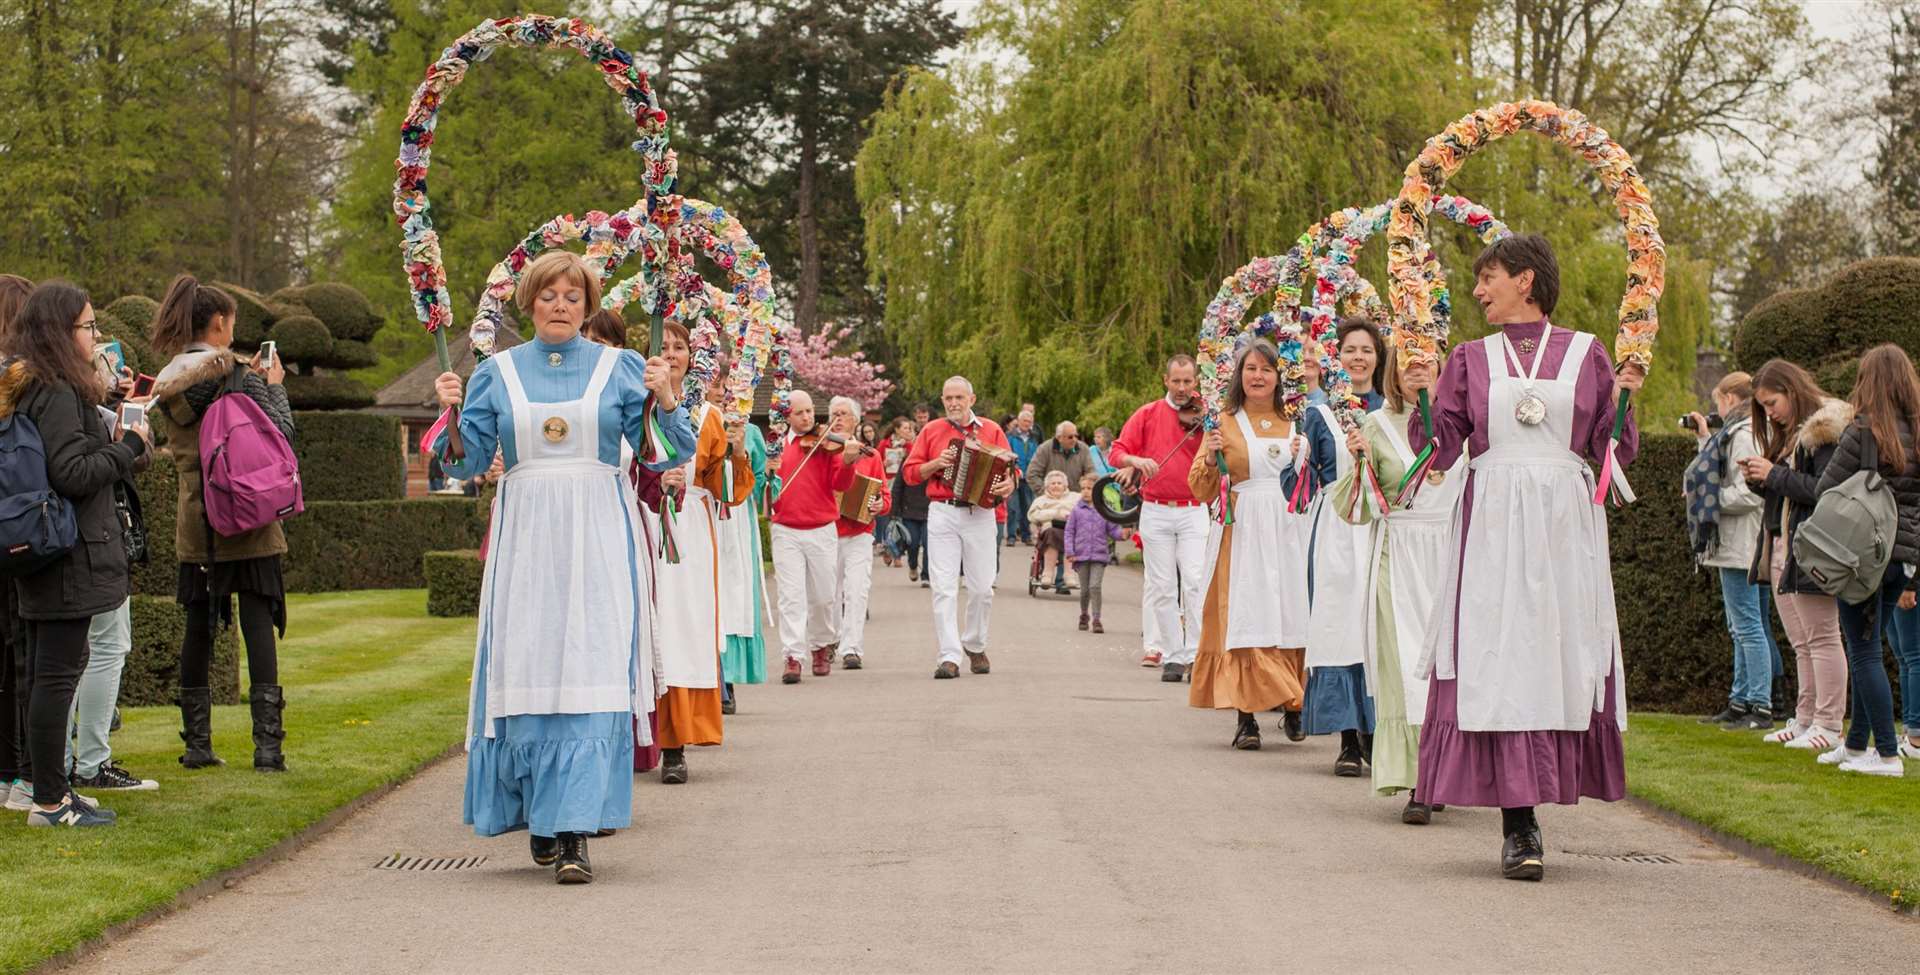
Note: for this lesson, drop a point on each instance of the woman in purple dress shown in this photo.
(1526, 705)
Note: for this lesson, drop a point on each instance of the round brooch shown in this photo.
(555, 429)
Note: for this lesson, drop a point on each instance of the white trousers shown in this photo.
(804, 564)
(1174, 540)
(960, 538)
(855, 572)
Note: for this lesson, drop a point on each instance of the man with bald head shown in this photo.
(1066, 454)
(960, 537)
(805, 542)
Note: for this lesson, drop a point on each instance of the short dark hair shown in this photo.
(1526, 252)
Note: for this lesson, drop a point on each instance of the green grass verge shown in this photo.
(375, 689)
(1858, 827)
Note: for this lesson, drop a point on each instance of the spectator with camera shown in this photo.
(1723, 522)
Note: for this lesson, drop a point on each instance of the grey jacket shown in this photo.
(1740, 504)
(1049, 457)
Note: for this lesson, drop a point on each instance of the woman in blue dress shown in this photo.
(556, 676)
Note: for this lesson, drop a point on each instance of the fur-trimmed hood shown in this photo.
(190, 369)
(13, 385)
(1825, 426)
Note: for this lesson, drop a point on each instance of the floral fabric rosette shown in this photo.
(1337, 282)
(426, 274)
(1418, 336)
(1224, 329)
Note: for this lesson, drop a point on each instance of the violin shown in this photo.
(1189, 415)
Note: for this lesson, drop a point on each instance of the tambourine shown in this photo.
(1115, 503)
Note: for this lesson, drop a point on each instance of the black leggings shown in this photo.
(256, 628)
(59, 649)
(14, 685)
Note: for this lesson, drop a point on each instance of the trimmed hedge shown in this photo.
(1826, 328)
(349, 354)
(453, 583)
(128, 320)
(327, 393)
(335, 545)
(301, 338)
(153, 667)
(251, 317)
(348, 456)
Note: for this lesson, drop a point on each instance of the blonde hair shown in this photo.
(1738, 385)
(550, 267)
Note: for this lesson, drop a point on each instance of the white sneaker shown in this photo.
(1794, 729)
(1819, 739)
(1876, 764)
(20, 797)
(1840, 755)
(1908, 749)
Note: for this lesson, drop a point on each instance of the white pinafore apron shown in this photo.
(1414, 543)
(561, 611)
(1337, 626)
(739, 562)
(1267, 581)
(1537, 634)
(689, 592)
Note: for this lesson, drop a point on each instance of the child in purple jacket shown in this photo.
(1088, 552)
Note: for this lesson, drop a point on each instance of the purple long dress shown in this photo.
(1537, 573)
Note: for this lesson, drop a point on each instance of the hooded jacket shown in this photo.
(182, 394)
(83, 464)
(1792, 489)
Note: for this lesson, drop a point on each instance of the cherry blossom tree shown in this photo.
(818, 367)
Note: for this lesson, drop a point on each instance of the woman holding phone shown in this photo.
(195, 327)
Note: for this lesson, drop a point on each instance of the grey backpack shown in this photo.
(1846, 544)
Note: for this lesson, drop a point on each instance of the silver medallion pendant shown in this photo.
(1531, 410)
(553, 358)
(1273, 451)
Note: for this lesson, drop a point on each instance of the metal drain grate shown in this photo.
(398, 862)
(1645, 858)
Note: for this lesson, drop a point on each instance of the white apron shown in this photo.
(688, 593)
(1337, 626)
(1414, 543)
(739, 562)
(561, 613)
(1537, 634)
(649, 646)
(1267, 581)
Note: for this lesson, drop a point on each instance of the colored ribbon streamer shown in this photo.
(1225, 500)
(669, 546)
(1417, 474)
(1302, 490)
(1612, 482)
(1368, 496)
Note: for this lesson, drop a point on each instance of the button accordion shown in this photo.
(975, 469)
(855, 499)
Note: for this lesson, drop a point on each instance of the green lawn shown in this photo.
(1860, 827)
(375, 688)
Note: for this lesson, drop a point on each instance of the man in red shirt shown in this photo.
(960, 537)
(854, 553)
(805, 544)
(1153, 454)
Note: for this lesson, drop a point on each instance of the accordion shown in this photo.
(854, 500)
(974, 471)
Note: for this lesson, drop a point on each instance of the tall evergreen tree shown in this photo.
(1896, 172)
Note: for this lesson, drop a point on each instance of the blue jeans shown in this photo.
(1867, 674)
(1903, 631)
(916, 544)
(1017, 504)
(1754, 654)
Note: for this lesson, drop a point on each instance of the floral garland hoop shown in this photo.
(426, 273)
(1415, 335)
(744, 314)
(610, 239)
(1336, 279)
(1442, 157)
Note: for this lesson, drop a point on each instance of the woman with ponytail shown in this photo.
(49, 380)
(195, 327)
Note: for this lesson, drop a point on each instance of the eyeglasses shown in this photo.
(91, 326)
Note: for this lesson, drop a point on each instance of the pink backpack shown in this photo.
(250, 477)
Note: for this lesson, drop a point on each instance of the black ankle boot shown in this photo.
(673, 766)
(196, 723)
(268, 702)
(1246, 737)
(545, 849)
(573, 866)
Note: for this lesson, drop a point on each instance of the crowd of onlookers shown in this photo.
(1777, 503)
(76, 424)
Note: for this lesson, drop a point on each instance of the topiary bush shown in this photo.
(128, 320)
(339, 545)
(347, 313)
(251, 318)
(152, 674)
(453, 583)
(327, 393)
(301, 339)
(347, 456)
(1864, 304)
(349, 354)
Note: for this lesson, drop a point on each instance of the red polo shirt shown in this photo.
(809, 488)
(1153, 431)
(874, 466)
(933, 441)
